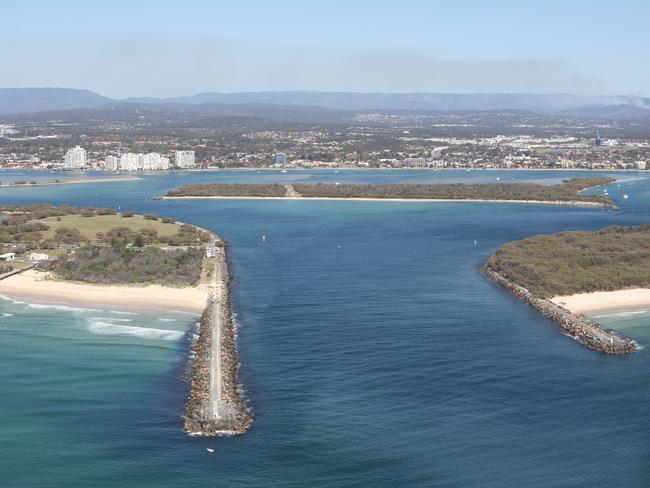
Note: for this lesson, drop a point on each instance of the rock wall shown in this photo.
(236, 416)
(588, 333)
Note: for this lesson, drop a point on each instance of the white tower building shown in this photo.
(184, 159)
(75, 158)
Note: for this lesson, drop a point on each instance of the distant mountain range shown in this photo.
(307, 105)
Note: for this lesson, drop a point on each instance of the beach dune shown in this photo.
(36, 285)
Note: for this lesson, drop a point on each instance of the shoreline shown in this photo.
(603, 302)
(577, 326)
(73, 182)
(34, 285)
(573, 203)
(344, 168)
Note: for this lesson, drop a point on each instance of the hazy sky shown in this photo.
(165, 48)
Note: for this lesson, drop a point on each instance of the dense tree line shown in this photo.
(229, 190)
(122, 264)
(566, 191)
(121, 256)
(574, 262)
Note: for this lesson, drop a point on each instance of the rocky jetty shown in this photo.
(234, 416)
(579, 327)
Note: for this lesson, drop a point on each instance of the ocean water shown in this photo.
(373, 352)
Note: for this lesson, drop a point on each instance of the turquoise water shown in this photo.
(373, 352)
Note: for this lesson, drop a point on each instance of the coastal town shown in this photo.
(135, 140)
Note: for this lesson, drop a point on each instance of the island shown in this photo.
(100, 257)
(568, 274)
(569, 192)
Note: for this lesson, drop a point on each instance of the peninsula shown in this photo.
(101, 257)
(567, 274)
(569, 192)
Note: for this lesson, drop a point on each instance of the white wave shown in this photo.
(114, 319)
(621, 314)
(120, 312)
(4, 314)
(105, 328)
(43, 306)
(9, 299)
(162, 319)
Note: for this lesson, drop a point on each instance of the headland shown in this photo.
(569, 274)
(99, 257)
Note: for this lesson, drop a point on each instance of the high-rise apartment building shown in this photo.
(111, 163)
(184, 159)
(281, 158)
(75, 158)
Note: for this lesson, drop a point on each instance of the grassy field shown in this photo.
(90, 226)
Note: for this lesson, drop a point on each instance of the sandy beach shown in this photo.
(35, 285)
(79, 181)
(432, 200)
(605, 301)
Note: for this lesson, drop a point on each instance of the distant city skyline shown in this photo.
(128, 49)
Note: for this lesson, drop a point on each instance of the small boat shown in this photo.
(210, 450)
(263, 237)
(626, 196)
(283, 171)
(498, 179)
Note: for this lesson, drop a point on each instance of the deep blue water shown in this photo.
(373, 351)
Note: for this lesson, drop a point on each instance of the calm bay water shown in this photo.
(373, 352)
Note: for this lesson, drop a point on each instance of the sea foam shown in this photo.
(621, 314)
(106, 328)
(43, 306)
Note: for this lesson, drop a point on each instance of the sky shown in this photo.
(165, 48)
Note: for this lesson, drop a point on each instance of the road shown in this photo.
(215, 402)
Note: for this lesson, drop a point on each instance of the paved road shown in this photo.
(216, 342)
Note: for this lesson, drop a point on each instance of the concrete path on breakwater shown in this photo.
(217, 404)
(218, 409)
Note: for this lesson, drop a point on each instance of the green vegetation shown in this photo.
(89, 227)
(120, 264)
(568, 191)
(100, 246)
(575, 262)
(229, 190)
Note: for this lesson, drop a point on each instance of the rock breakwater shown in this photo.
(579, 327)
(208, 413)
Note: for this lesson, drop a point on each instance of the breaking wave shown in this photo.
(621, 314)
(106, 328)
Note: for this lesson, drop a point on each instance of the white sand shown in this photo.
(79, 181)
(605, 301)
(448, 200)
(34, 284)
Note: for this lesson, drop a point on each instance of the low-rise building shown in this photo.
(38, 256)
